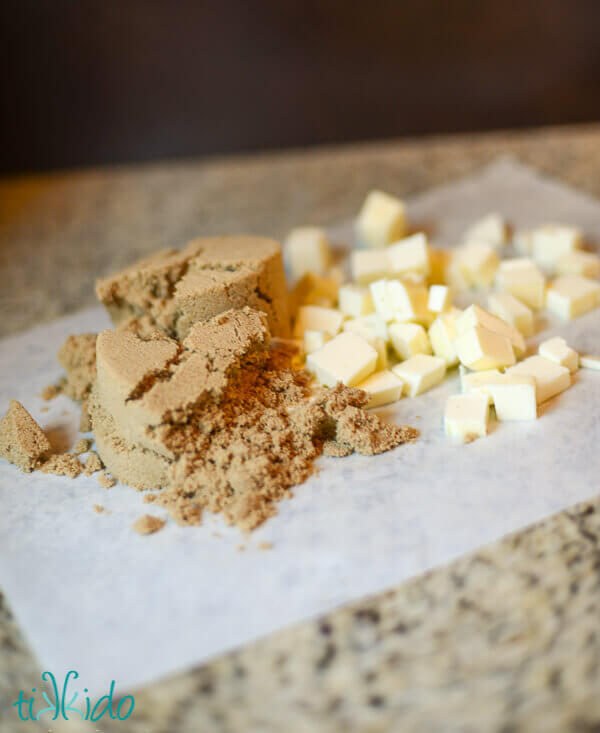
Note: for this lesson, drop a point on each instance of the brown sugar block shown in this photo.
(77, 356)
(173, 290)
(105, 480)
(148, 524)
(128, 462)
(141, 382)
(22, 441)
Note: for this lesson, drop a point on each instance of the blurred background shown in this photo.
(88, 82)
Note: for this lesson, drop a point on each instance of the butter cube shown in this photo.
(550, 378)
(307, 250)
(570, 296)
(551, 241)
(442, 333)
(317, 318)
(381, 348)
(347, 358)
(369, 327)
(381, 300)
(383, 387)
(410, 256)
(409, 339)
(420, 373)
(557, 350)
(490, 229)
(408, 301)
(368, 266)
(511, 310)
(440, 298)
(475, 381)
(514, 397)
(587, 361)
(523, 243)
(314, 340)
(313, 289)
(478, 348)
(586, 264)
(457, 276)
(479, 262)
(466, 416)
(381, 220)
(355, 301)
(476, 316)
(522, 278)
(439, 259)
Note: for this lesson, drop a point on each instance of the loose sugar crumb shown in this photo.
(265, 545)
(93, 463)
(51, 391)
(148, 524)
(105, 480)
(82, 446)
(63, 464)
(99, 509)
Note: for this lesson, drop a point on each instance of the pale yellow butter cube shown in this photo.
(369, 265)
(478, 348)
(440, 298)
(514, 397)
(408, 301)
(409, 339)
(523, 278)
(420, 373)
(475, 381)
(383, 388)
(585, 264)
(523, 242)
(511, 310)
(410, 256)
(480, 262)
(347, 358)
(587, 361)
(442, 333)
(466, 416)
(557, 350)
(570, 296)
(381, 220)
(355, 301)
(314, 340)
(457, 276)
(550, 378)
(551, 241)
(474, 315)
(317, 318)
(306, 249)
(370, 327)
(490, 229)
(381, 299)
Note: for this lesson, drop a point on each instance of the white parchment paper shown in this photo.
(92, 595)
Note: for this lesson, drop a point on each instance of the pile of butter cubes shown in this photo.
(394, 330)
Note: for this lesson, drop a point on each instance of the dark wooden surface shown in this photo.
(97, 81)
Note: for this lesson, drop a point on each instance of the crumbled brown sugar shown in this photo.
(51, 391)
(78, 358)
(234, 433)
(92, 464)
(148, 524)
(105, 480)
(62, 464)
(82, 446)
(22, 441)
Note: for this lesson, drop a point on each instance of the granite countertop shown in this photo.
(506, 639)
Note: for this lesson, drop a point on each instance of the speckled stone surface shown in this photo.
(506, 639)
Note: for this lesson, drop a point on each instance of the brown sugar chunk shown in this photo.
(82, 446)
(63, 464)
(148, 524)
(92, 464)
(77, 356)
(105, 480)
(173, 290)
(22, 441)
(51, 391)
